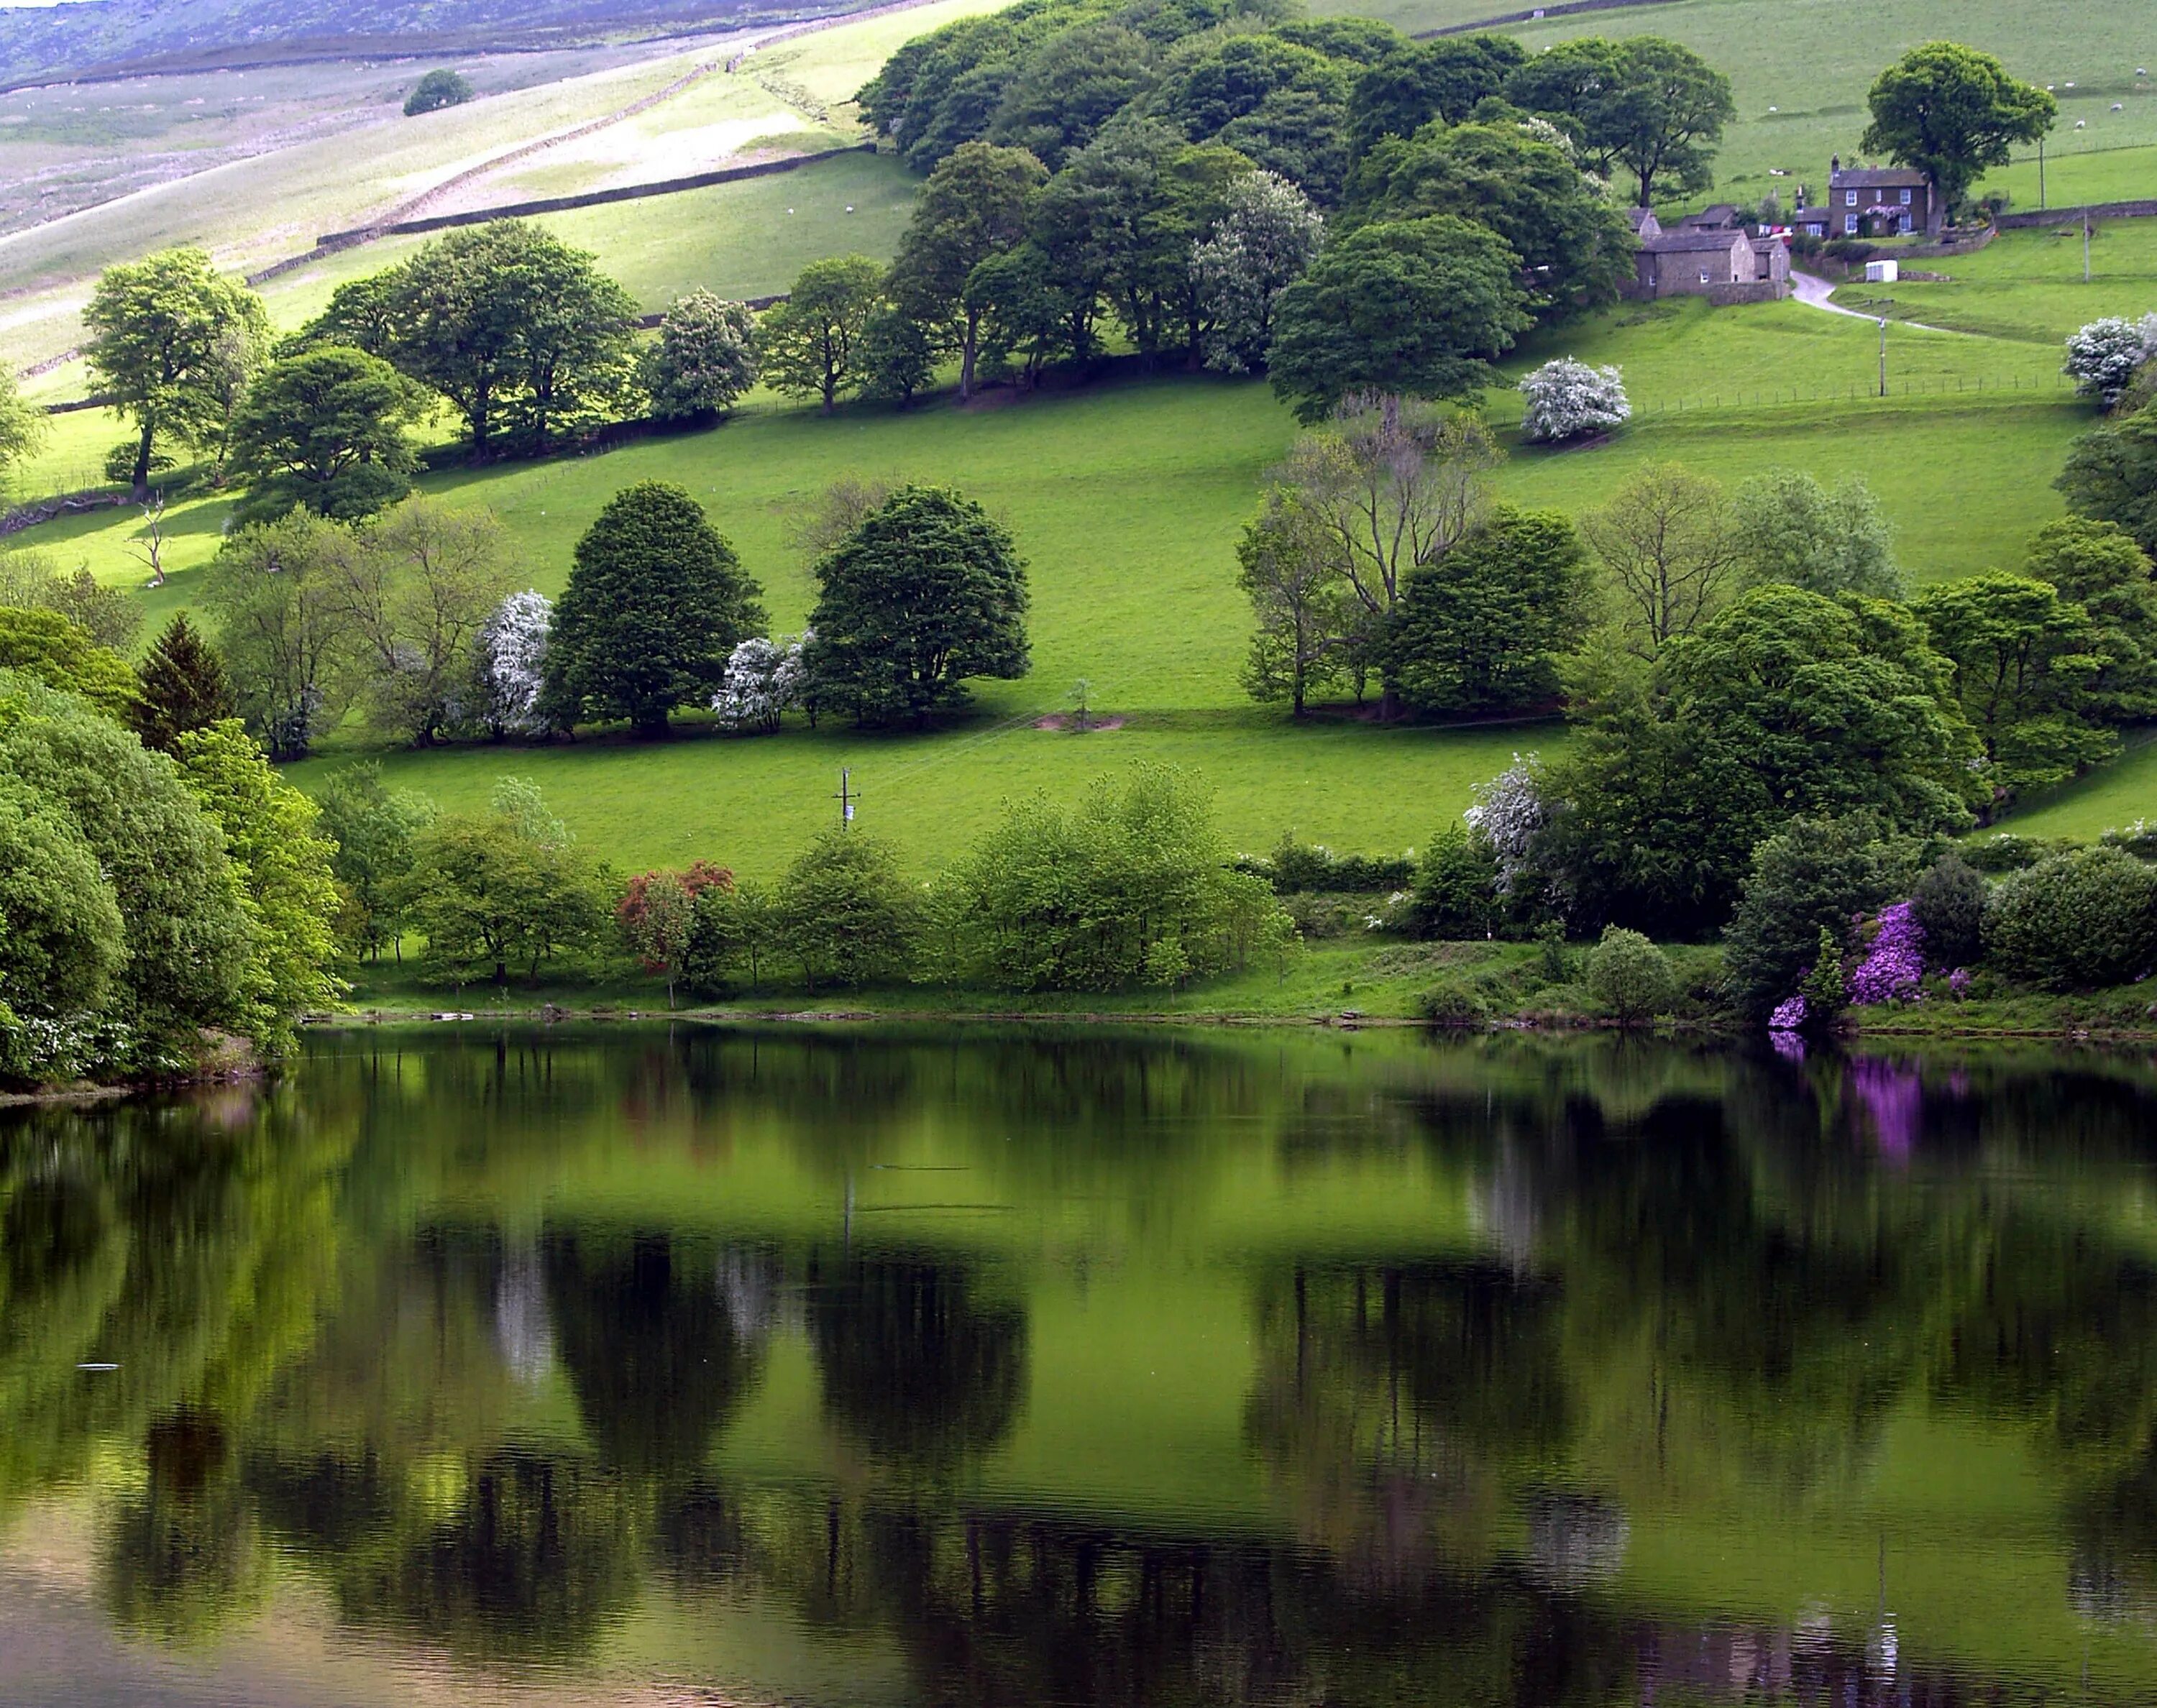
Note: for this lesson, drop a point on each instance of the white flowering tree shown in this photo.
(1259, 248)
(2104, 356)
(764, 680)
(703, 358)
(1509, 813)
(1567, 398)
(511, 660)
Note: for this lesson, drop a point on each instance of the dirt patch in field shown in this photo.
(1062, 720)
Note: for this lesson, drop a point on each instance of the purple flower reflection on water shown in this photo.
(1894, 1098)
(1788, 1045)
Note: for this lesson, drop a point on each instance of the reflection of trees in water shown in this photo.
(1390, 1403)
(183, 1556)
(917, 1369)
(652, 1345)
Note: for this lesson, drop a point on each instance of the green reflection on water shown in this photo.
(977, 1367)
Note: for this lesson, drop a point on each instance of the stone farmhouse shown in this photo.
(1873, 201)
(1709, 254)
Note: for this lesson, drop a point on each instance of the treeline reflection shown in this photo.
(408, 1324)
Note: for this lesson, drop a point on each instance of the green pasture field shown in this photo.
(2027, 285)
(2075, 176)
(1801, 67)
(2118, 794)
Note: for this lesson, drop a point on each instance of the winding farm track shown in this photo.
(1816, 292)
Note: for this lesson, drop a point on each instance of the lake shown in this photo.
(908, 1366)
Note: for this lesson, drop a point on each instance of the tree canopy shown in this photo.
(1419, 306)
(655, 601)
(1953, 112)
(325, 428)
(925, 591)
(1652, 107)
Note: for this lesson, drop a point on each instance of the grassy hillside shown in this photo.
(1801, 68)
(2028, 286)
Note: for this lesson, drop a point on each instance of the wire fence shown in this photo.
(1854, 392)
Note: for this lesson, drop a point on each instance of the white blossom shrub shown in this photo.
(2104, 356)
(1259, 248)
(703, 358)
(1567, 398)
(512, 665)
(1509, 814)
(764, 680)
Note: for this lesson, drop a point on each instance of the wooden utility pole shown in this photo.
(2041, 172)
(846, 797)
(1883, 355)
(2085, 277)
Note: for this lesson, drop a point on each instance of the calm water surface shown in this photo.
(908, 1367)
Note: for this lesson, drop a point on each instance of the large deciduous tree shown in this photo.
(46, 647)
(1670, 548)
(1262, 245)
(2111, 476)
(1953, 113)
(1304, 608)
(1785, 704)
(809, 344)
(1575, 249)
(1445, 79)
(1479, 629)
(655, 602)
(22, 428)
(1067, 88)
(285, 631)
(1389, 485)
(419, 586)
(324, 428)
(1794, 531)
(162, 344)
(973, 206)
(702, 360)
(522, 334)
(1649, 105)
(1416, 306)
(925, 591)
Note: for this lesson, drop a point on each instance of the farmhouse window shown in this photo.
(1906, 198)
(1850, 198)
(1850, 224)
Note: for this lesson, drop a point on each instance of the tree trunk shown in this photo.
(967, 350)
(142, 462)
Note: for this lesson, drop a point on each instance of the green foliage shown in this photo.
(64, 943)
(655, 602)
(1793, 531)
(973, 208)
(110, 615)
(168, 341)
(1419, 305)
(437, 90)
(183, 688)
(283, 870)
(702, 360)
(501, 889)
(1785, 704)
(523, 334)
(1948, 902)
(1482, 628)
(925, 591)
(1456, 885)
(1574, 245)
(374, 830)
(1065, 90)
(2111, 476)
(846, 912)
(1652, 107)
(189, 940)
(1810, 885)
(45, 645)
(1421, 81)
(1134, 888)
(22, 427)
(325, 428)
(284, 627)
(1670, 548)
(1953, 113)
(1311, 868)
(807, 344)
(2023, 659)
(2100, 567)
(732, 927)
(1304, 605)
(897, 357)
(1629, 977)
(2075, 921)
